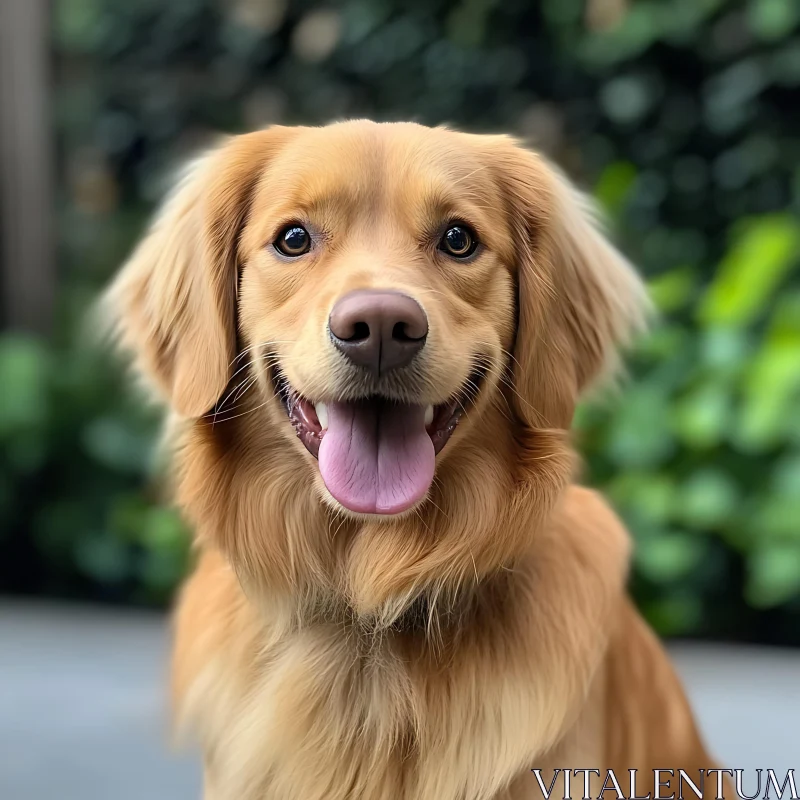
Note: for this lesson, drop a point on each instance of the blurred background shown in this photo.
(682, 117)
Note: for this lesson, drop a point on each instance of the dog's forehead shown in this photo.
(360, 162)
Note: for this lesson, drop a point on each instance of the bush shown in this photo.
(74, 519)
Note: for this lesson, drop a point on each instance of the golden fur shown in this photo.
(439, 654)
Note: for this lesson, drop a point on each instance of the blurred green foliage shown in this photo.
(681, 115)
(74, 446)
(701, 452)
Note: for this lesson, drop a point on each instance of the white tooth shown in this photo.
(428, 415)
(322, 415)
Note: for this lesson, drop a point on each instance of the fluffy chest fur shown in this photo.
(324, 710)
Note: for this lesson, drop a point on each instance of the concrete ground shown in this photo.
(82, 706)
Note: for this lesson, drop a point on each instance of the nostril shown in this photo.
(360, 331)
(401, 333)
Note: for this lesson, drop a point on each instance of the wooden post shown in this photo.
(27, 264)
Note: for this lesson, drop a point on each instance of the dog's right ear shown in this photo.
(173, 304)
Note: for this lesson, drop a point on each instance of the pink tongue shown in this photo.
(376, 458)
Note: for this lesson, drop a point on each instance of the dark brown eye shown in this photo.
(293, 241)
(458, 241)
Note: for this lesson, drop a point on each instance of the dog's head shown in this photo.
(382, 296)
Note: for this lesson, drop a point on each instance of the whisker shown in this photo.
(244, 413)
(502, 350)
(233, 389)
(265, 343)
(248, 384)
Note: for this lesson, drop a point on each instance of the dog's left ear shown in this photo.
(579, 300)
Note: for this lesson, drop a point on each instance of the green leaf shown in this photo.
(725, 350)
(664, 344)
(613, 187)
(669, 557)
(772, 383)
(163, 531)
(24, 370)
(773, 574)
(786, 477)
(167, 551)
(773, 19)
(777, 518)
(673, 290)
(635, 437)
(707, 499)
(113, 442)
(646, 499)
(701, 418)
(103, 558)
(76, 24)
(674, 614)
(760, 257)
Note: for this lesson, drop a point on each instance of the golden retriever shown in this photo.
(372, 339)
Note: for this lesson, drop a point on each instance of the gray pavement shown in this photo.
(82, 706)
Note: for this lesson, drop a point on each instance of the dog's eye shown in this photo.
(458, 241)
(293, 241)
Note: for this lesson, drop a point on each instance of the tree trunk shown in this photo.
(27, 264)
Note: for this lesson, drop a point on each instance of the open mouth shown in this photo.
(376, 455)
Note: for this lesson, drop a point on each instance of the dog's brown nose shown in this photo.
(379, 330)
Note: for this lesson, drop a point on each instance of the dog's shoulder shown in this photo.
(588, 505)
(586, 525)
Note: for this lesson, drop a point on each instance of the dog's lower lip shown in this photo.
(446, 416)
